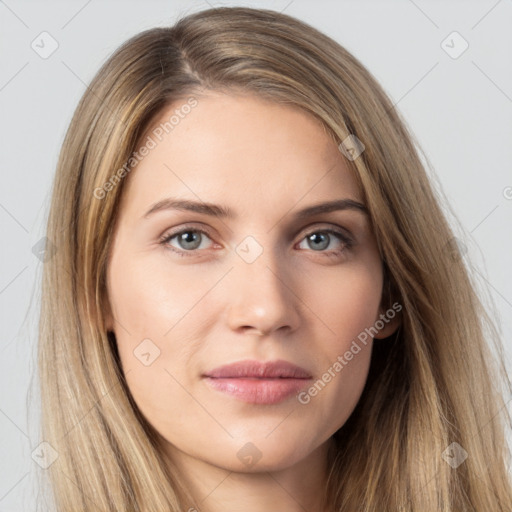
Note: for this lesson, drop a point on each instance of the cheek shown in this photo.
(347, 302)
(150, 297)
(158, 320)
(348, 306)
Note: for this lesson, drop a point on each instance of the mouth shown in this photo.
(255, 382)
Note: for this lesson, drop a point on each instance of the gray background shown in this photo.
(460, 110)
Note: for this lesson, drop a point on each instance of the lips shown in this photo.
(255, 369)
(258, 382)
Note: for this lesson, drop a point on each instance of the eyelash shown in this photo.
(166, 238)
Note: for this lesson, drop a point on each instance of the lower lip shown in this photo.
(257, 390)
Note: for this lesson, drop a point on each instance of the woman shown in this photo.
(257, 369)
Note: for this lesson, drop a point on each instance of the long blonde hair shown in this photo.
(434, 383)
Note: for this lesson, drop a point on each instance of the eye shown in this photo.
(320, 239)
(189, 239)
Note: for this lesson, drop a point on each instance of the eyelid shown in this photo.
(321, 226)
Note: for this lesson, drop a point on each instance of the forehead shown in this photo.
(239, 149)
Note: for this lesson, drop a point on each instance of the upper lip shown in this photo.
(257, 369)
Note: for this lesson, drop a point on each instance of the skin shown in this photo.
(264, 161)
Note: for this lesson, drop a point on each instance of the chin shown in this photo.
(262, 453)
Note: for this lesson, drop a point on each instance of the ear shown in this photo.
(108, 317)
(389, 317)
(388, 320)
(109, 324)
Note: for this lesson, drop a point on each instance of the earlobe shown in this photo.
(388, 321)
(109, 323)
(108, 317)
(109, 327)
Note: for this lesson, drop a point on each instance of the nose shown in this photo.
(262, 297)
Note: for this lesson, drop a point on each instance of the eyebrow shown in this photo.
(215, 210)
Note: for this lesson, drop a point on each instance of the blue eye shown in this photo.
(190, 243)
(323, 241)
(190, 239)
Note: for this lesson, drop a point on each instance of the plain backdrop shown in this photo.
(456, 100)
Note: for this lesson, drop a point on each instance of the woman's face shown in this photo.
(255, 279)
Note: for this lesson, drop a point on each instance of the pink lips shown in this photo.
(258, 383)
